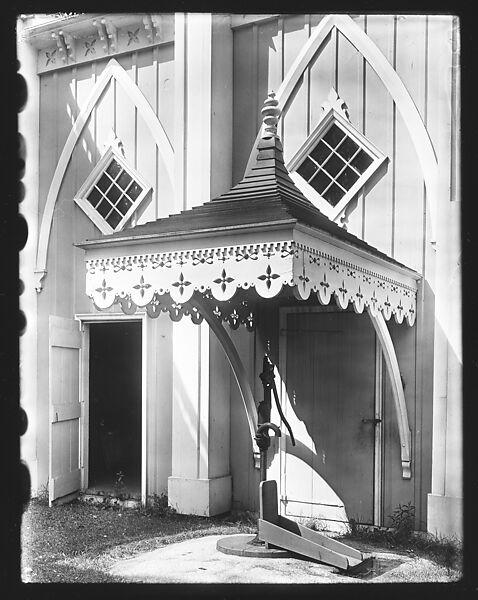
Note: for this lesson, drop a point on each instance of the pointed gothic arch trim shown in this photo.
(116, 71)
(392, 82)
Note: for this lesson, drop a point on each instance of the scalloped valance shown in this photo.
(142, 279)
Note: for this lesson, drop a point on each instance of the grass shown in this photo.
(445, 552)
(435, 558)
(78, 542)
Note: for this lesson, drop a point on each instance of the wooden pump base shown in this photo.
(279, 537)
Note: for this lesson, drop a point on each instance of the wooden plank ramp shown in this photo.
(284, 533)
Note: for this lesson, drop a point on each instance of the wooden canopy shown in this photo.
(263, 234)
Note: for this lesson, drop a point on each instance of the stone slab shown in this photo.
(243, 545)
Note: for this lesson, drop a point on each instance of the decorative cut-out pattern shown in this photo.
(90, 47)
(335, 101)
(133, 36)
(221, 272)
(50, 57)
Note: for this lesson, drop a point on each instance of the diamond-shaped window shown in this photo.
(334, 163)
(112, 192)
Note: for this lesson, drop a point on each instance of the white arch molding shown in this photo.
(115, 71)
(392, 82)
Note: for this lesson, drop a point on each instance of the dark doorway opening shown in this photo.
(114, 464)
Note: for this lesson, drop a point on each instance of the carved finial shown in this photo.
(334, 101)
(270, 116)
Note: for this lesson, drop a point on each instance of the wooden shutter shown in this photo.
(65, 408)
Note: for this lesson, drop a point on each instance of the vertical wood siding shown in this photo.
(62, 96)
(391, 211)
(376, 216)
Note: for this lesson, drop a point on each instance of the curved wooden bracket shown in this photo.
(393, 369)
(236, 365)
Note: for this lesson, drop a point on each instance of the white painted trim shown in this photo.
(116, 71)
(109, 317)
(378, 442)
(393, 369)
(392, 82)
(86, 319)
(354, 250)
(92, 179)
(85, 403)
(329, 117)
(180, 109)
(236, 366)
(144, 409)
(203, 426)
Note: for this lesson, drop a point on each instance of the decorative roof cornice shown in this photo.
(72, 40)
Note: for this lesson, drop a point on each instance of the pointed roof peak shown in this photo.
(266, 175)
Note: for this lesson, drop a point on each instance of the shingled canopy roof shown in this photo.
(265, 195)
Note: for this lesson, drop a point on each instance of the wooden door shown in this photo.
(65, 408)
(330, 380)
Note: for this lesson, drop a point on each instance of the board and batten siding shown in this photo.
(391, 213)
(63, 93)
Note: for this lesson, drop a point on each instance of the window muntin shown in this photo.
(112, 193)
(334, 163)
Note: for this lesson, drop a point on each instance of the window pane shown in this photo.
(362, 161)
(124, 205)
(114, 193)
(320, 181)
(333, 194)
(104, 183)
(347, 148)
(334, 165)
(114, 219)
(124, 180)
(94, 197)
(113, 169)
(320, 152)
(307, 169)
(333, 136)
(134, 191)
(347, 178)
(104, 208)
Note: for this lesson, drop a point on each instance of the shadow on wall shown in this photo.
(324, 502)
(330, 382)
